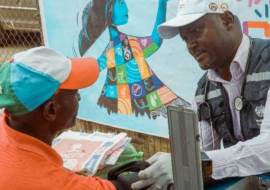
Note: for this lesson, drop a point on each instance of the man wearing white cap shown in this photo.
(231, 98)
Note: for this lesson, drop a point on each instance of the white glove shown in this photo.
(159, 173)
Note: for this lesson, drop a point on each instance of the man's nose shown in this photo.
(78, 96)
(191, 44)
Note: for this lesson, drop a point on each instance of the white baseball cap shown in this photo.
(190, 11)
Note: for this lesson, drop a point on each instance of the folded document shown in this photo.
(90, 151)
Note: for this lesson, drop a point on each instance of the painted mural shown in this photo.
(140, 74)
(131, 86)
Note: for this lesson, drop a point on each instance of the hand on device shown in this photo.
(159, 174)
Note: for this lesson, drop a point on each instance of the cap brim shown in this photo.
(169, 29)
(84, 73)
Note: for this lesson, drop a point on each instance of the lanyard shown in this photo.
(240, 102)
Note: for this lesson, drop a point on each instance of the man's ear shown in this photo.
(228, 20)
(50, 110)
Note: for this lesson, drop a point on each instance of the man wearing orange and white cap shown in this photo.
(232, 98)
(39, 92)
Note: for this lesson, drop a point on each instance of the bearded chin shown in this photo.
(208, 65)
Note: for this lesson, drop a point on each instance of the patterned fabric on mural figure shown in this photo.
(131, 86)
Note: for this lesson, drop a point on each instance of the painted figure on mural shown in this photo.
(131, 86)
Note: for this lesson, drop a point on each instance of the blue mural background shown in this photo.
(172, 63)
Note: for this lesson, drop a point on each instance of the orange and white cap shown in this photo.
(31, 77)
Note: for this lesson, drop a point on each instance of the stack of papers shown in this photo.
(90, 151)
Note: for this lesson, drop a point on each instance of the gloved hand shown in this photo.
(159, 174)
(123, 182)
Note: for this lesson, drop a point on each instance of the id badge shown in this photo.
(238, 103)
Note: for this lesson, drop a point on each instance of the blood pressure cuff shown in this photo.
(129, 175)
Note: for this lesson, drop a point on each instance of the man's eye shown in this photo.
(195, 30)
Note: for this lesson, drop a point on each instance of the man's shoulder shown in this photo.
(260, 42)
(261, 49)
